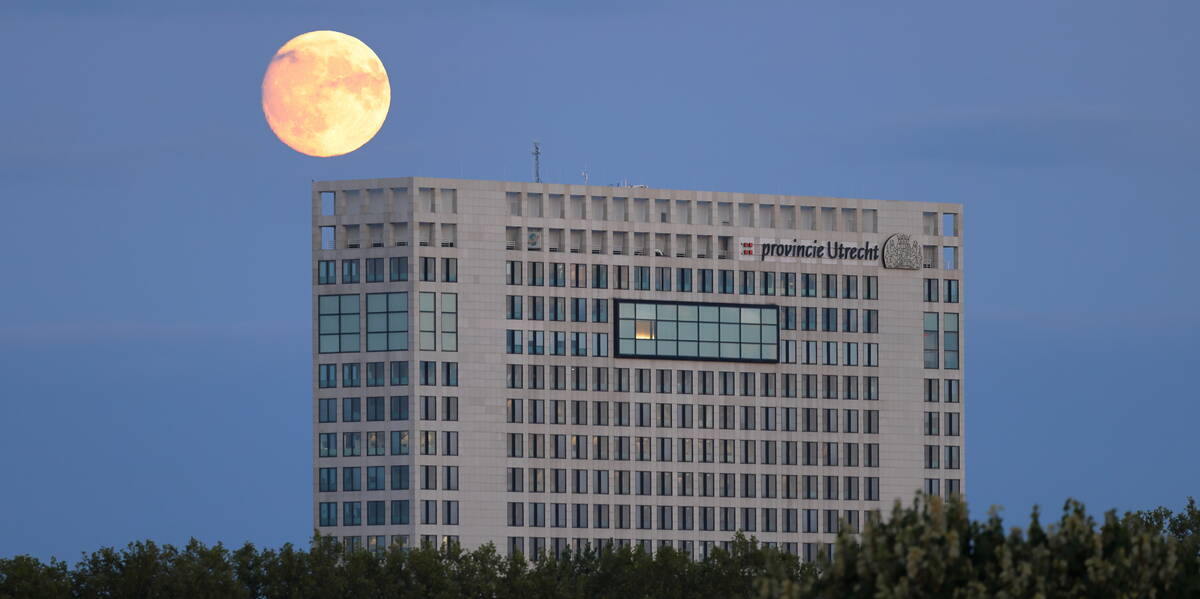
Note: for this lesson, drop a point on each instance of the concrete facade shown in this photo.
(785, 449)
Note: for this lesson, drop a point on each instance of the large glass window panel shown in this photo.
(387, 321)
(660, 329)
(338, 323)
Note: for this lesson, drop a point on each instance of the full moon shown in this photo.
(325, 93)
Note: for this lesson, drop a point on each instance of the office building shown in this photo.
(545, 366)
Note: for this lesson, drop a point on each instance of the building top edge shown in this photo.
(574, 188)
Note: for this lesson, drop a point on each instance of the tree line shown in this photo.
(929, 549)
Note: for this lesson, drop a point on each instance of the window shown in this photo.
(374, 270)
(328, 480)
(950, 348)
(808, 319)
(849, 320)
(600, 276)
(326, 272)
(725, 281)
(328, 511)
(932, 421)
(599, 345)
(428, 407)
(641, 278)
(808, 285)
(399, 374)
(871, 385)
(375, 374)
(951, 291)
(706, 280)
(871, 287)
(558, 308)
(871, 426)
(349, 271)
(427, 331)
(513, 341)
(537, 343)
(830, 285)
(450, 374)
(683, 279)
(327, 410)
(662, 278)
(953, 457)
(428, 269)
(400, 511)
(328, 376)
(450, 270)
(929, 256)
(953, 424)
(829, 319)
(850, 286)
(449, 322)
(351, 375)
(579, 309)
(930, 289)
(931, 339)
(949, 257)
(327, 443)
(952, 391)
(400, 443)
(512, 272)
(351, 444)
(558, 274)
(338, 328)
(399, 407)
(537, 274)
(513, 307)
(747, 286)
(375, 479)
(697, 331)
(932, 457)
(387, 321)
(374, 409)
(768, 283)
(870, 321)
(622, 275)
(398, 268)
(428, 373)
(872, 488)
(599, 310)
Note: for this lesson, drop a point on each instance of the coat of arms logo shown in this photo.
(901, 251)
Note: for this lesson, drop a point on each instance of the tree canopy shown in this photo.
(929, 549)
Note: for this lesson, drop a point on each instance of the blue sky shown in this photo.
(155, 353)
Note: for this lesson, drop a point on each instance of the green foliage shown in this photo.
(934, 550)
(930, 549)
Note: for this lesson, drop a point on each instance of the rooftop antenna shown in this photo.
(537, 162)
(584, 172)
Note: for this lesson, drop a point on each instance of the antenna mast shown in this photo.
(537, 162)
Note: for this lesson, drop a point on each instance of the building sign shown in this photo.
(902, 251)
(788, 250)
(899, 251)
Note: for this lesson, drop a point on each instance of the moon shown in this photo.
(325, 94)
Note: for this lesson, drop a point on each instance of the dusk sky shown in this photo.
(155, 349)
